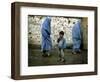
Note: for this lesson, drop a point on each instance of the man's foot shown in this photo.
(45, 55)
(74, 52)
(79, 51)
(48, 54)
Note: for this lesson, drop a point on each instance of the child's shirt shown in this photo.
(62, 43)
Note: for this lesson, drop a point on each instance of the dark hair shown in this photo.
(61, 32)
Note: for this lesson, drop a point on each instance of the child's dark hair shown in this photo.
(61, 32)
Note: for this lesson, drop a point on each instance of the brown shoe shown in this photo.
(74, 53)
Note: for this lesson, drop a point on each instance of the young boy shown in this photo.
(61, 45)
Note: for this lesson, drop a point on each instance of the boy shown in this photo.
(61, 45)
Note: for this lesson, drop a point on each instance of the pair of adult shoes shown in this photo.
(45, 55)
(76, 52)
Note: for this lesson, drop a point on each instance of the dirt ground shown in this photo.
(35, 58)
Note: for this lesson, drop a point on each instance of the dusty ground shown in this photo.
(35, 58)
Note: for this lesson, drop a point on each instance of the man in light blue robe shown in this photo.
(46, 44)
(76, 36)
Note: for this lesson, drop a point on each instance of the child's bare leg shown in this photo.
(61, 55)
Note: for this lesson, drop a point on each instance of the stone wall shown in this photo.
(57, 24)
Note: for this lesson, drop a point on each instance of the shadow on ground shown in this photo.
(35, 58)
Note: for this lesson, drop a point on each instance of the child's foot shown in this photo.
(61, 60)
